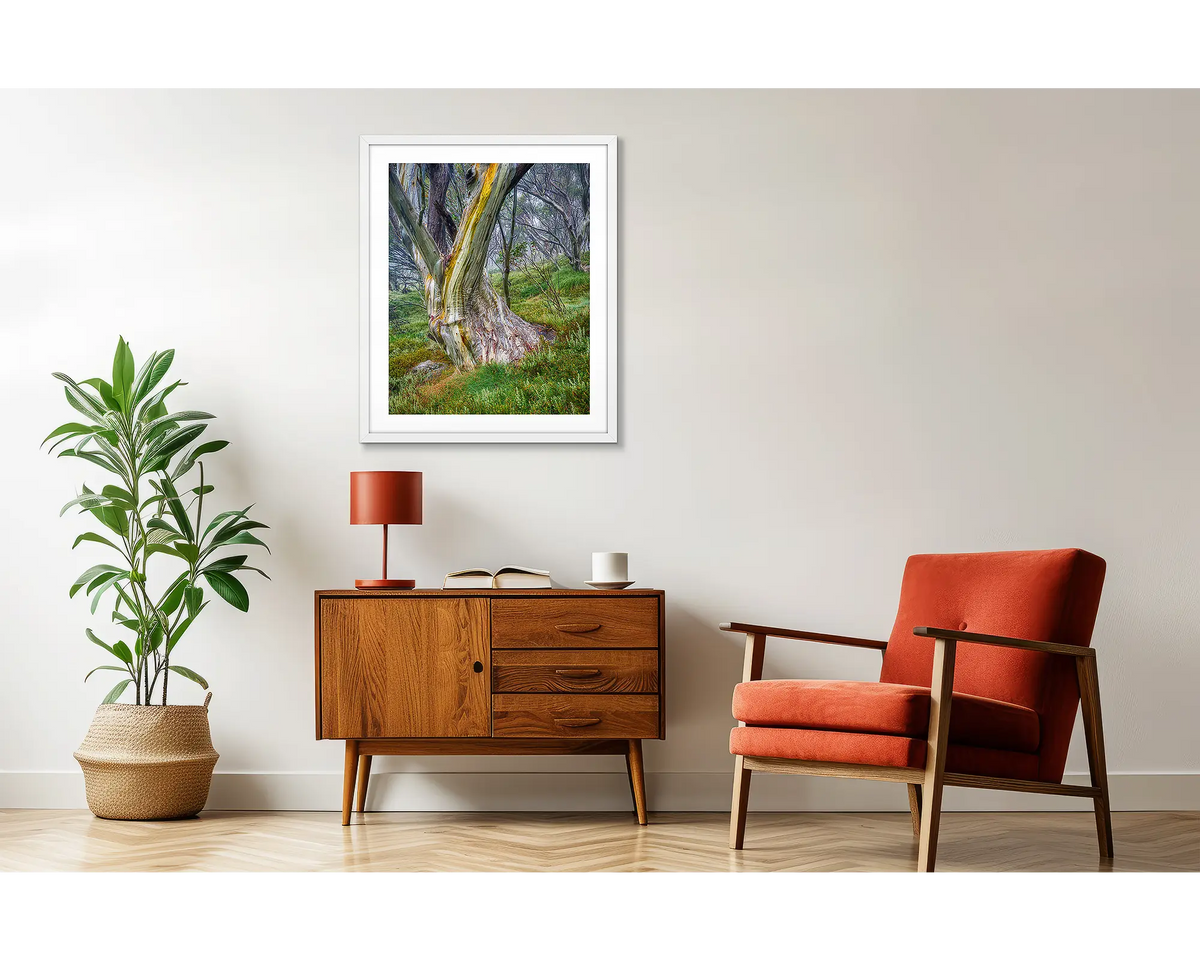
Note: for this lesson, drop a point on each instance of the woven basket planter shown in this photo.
(147, 763)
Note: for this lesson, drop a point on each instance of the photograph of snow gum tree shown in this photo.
(489, 288)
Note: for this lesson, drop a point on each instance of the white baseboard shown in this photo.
(496, 791)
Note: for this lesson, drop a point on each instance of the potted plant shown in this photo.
(145, 760)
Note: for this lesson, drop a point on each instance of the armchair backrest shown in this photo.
(1048, 595)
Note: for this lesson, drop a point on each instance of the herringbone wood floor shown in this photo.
(75, 840)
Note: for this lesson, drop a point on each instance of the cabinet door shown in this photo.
(404, 667)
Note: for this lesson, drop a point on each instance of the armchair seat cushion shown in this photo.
(877, 750)
(890, 709)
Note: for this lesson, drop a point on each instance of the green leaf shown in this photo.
(112, 582)
(222, 536)
(160, 453)
(190, 674)
(177, 510)
(192, 596)
(261, 573)
(180, 416)
(229, 589)
(154, 407)
(153, 548)
(245, 538)
(112, 517)
(123, 374)
(209, 446)
(206, 489)
(105, 391)
(156, 635)
(103, 579)
(115, 693)
(98, 642)
(119, 495)
(92, 457)
(87, 501)
(70, 429)
(153, 370)
(91, 407)
(124, 596)
(219, 518)
(225, 564)
(165, 426)
(105, 667)
(90, 574)
(122, 651)
(174, 597)
(93, 538)
(189, 551)
(160, 535)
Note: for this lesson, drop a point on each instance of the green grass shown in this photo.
(552, 380)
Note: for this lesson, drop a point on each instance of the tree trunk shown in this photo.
(470, 320)
(508, 239)
(575, 257)
(481, 328)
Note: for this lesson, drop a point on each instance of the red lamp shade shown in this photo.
(385, 497)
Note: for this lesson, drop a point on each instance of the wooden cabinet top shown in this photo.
(489, 592)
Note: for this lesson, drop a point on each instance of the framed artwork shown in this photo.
(488, 289)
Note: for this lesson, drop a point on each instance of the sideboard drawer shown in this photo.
(574, 715)
(575, 671)
(575, 622)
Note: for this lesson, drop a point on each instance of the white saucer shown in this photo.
(609, 584)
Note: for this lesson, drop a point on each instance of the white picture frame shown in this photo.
(376, 423)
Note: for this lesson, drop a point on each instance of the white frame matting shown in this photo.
(376, 425)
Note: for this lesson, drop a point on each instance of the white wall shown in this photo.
(854, 326)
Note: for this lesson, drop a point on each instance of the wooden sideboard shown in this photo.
(518, 672)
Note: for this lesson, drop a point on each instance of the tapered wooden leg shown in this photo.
(914, 807)
(741, 797)
(637, 776)
(364, 776)
(1093, 730)
(348, 779)
(941, 691)
(632, 791)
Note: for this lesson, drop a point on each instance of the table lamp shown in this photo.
(385, 496)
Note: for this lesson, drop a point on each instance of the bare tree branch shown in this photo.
(411, 220)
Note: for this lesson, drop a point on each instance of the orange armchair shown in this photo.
(987, 662)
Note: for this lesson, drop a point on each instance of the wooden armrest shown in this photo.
(1067, 649)
(753, 628)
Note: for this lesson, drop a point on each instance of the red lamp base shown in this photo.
(385, 584)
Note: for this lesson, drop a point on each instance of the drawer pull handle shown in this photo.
(578, 674)
(577, 627)
(578, 721)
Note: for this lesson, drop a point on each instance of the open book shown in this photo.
(506, 578)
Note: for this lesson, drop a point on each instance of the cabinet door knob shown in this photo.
(578, 673)
(577, 627)
(577, 721)
(477, 667)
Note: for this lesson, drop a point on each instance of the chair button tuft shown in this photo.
(963, 625)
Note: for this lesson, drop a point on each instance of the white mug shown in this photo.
(610, 567)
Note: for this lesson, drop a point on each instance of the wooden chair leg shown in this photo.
(914, 807)
(348, 779)
(741, 797)
(941, 691)
(1093, 729)
(364, 777)
(638, 776)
